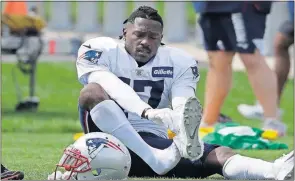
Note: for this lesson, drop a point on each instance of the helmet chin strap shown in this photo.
(55, 172)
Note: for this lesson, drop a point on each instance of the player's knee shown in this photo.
(219, 156)
(223, 153)
(91, 95)
(252, 61)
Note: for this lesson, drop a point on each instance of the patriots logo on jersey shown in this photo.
(195, 72)
(94, 143)
(91, 55)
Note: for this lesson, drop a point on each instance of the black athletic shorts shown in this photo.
(235, 32)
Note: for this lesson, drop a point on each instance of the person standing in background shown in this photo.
(237, 27)
(283, 41)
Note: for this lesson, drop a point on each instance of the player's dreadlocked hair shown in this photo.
(144, 12)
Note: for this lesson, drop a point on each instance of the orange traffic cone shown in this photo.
(15, 8)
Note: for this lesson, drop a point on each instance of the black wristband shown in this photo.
(143, 113)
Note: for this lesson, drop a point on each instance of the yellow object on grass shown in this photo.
(270, 134)
(204, 131)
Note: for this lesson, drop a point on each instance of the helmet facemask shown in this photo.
(73, 161)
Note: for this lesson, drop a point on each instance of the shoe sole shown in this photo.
(192, 116)
(288, 170)
(15, 176)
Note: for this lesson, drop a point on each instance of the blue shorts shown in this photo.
(184, 169)
(235, 32)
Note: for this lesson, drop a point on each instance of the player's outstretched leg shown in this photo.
(224, 161)
(187, 139)
(285, 167)
(246, 168)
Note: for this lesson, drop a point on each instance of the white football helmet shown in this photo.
(96, 156)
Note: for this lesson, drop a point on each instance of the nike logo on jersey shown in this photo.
(162, 72)
(87, 46)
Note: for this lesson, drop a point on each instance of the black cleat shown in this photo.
(30, 104)
(27, 106)
(12, 175)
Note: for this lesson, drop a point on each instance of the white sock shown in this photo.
(110, 119)
(240, 167)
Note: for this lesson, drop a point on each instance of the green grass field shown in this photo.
(33, 142)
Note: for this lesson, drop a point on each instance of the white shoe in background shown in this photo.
(254, 111)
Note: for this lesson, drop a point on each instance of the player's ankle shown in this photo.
(206, 125)
(163, 162)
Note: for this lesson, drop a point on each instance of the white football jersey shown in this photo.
(170, 70)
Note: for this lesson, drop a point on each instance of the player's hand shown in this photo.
(69, 176)
(58, 176)
(161, 116)
(61, 176)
